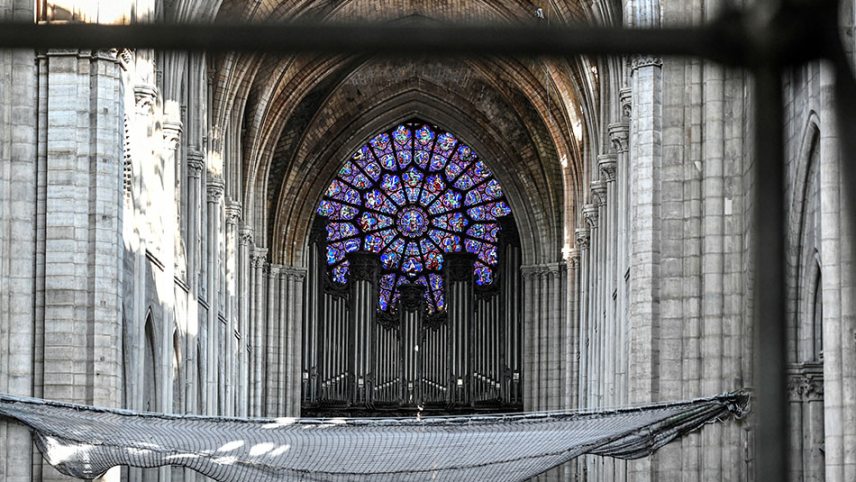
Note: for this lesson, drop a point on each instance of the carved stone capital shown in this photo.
(590, 215)
(582, 237)
(573, 257)
(215, 189)
(625, 95)
(606, 164)
(246, 236)
(619, 136)
(172, 135)
(365, 266)
(195, 163)
(144, 97)
(805, 382)
(598, 192)
(233, 212)
(641, 61)
(258, 258)
(297, 274)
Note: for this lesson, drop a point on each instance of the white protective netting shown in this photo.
(85, 442)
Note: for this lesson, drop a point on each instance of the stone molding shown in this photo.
(625, 97)
(172, 134)
(195, 163)
(805, 382)
(590, 215)
(619, 136)
(598, 192)
(541, 269)
(246, 236)
(233, 212)
(640, 61)
(582, 237)
(144, 96)
(299, 274)
(606, 164)
(215, 189)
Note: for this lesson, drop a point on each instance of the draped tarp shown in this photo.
(85, 442)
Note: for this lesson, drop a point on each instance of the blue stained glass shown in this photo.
(487, 232)
(376, 200)
(489, 212)
(362, 156)
(370, 221)
(337, 211)
(381, 143)
(340, 273)
(436, 282)
(451, 221)
(388, 162)
(438, 162)
(422, 158)
(483, 274)
(373, 170)
(401, 134)
(464, 182)
(404, 158)
(387, 281)
(424, 135)
(445, 143)
(336, 231)
(394, 198)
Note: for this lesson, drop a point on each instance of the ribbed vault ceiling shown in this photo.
(300, 117)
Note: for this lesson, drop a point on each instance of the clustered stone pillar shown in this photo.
(215, 194)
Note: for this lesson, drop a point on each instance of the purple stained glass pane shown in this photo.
(380, 143)
(424, 136)
(445, 143)
(337, 211)
(383, 300)
(340, 273)
(354, 177)
(464, 182)
(422, 158)
(483, 274)
(486, 232)
(489, 212)
(452, 221)
(373, 170)
(377, 241)
(404, 158)
(438, 162)
(448, 242)
(337, 231)
(370, 221)
(440, 300)
(402, 135)
(375, 199)
(388, 162)
(362, 156)
(436, 281)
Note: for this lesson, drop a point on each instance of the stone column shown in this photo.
(645, 159)
(19, 254)
(618, 136)
(233, 218)
(294, 338)
(215, 194)
(273, 343)
(192, 353)
(582, 237)
(244, 342)
(257, 327)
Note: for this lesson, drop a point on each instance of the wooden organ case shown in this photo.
(360, 361)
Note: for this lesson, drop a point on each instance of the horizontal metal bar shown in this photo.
(716, 41)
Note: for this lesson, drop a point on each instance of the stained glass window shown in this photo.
(412, 195)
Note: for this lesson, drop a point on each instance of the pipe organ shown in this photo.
(361, 361)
